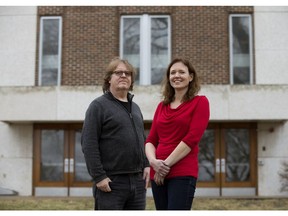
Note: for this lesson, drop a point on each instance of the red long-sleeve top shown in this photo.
(186, 123)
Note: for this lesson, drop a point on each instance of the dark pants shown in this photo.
(176, 193)
(128, 193)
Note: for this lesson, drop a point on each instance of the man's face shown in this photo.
(121, 78)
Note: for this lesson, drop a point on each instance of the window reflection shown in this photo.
(237, 155)
(52, 151)
(241, 49)
(207, 156)
(159, 49)
(49, 58)
(131, 43)
(81, 173)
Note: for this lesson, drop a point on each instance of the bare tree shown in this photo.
(284, 176)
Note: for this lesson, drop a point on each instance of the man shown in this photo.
(113, 143)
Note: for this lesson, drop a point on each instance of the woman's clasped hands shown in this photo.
(161, 171)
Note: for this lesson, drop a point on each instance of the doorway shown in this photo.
(59, 164)
(227, 160)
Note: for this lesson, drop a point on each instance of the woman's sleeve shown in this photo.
(153, 134)
(199, 122)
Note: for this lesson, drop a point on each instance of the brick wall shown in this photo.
(91, 38)
(202, 35)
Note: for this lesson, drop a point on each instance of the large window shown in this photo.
(241, 66)
(50, 51)
(145, 43)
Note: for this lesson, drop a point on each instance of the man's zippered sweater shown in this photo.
(113, 138)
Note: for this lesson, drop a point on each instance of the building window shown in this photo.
(241, 66)
(50, 51)
(145, 43)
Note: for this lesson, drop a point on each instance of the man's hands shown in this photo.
(146, 176)
(104, 185)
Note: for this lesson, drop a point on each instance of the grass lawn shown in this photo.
(73, 203)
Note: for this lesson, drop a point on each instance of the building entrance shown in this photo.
(227, 160)
(59, 164)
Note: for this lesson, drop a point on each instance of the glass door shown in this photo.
(238, 159)
(79, 180)
(59, 164)
(227, 160)
(209, 163)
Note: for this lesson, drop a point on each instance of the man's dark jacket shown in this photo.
(113, 138)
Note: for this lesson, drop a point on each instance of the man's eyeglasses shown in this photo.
(120, 73)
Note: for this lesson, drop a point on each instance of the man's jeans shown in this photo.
(176, 193)
(128, 193)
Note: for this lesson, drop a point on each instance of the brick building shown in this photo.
(52, 61)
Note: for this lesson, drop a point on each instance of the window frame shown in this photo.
(145, 44)
(59, 18)
(231, 16)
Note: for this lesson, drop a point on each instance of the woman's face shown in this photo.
(179, 76)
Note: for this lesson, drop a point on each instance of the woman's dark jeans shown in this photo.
(176, 193)
(128, 193)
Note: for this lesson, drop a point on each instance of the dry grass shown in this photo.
(240, 204)
(40, 203)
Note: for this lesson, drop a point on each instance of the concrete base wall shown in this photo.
(23, 106)
(272, 152)
(16, 154)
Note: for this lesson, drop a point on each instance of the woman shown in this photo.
(172, 145)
